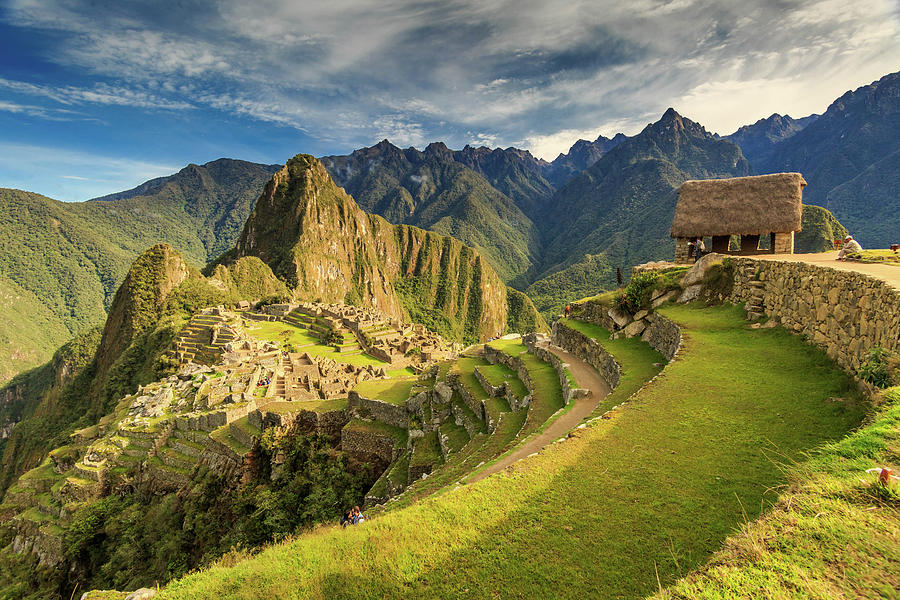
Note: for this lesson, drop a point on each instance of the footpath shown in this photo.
(588, 378)
(888, 273)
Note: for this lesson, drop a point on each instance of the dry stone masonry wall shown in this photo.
(589, 350)
(844, 312)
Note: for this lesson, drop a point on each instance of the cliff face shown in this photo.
(139, 301)
(316, 239)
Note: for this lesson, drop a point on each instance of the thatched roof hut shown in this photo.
(739, 206)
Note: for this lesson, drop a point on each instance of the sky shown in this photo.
(97, 96)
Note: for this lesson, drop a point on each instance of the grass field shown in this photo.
(651, 492)
(304, 341)
(886, 257)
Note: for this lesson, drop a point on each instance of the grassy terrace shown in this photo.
(547, 396)
(378, 427)
(679, 468)
(497, 375)
(885, 257)
(465, 367)
(636, 358)
(392, 391)
(304, 341)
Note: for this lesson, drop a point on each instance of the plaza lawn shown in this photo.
(304, 341)
(626, 505)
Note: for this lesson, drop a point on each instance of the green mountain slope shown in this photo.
(757, 140)
(433, 191)
(841, 154)
(325, 247)
(618, 212)
(89, 373)
(67, 259)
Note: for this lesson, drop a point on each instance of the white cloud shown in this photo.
(99, 94)
(23, 168)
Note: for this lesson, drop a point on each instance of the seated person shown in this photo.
(850, 246)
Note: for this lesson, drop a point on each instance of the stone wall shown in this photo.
(364, 445)
(663, 335)
(537, 344)
(392, 414)
(589, 350)
(844, 312)
(497, 357)
(327, 423)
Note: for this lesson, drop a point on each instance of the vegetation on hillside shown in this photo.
(64, 261)
(360, 258)
(134, 540)
(832, 534)
(432, 190)
(680, 467)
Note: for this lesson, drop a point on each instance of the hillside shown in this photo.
(160, 292)
(617, 213)
(61, 263)
(581, 155)
(680, 467)
(432, 190)
(848, 157)
(326, 248)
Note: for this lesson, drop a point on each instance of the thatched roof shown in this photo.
(742, 205)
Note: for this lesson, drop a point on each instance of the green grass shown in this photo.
(635, 357)
(427, 450)
(400, 435)
(655, 489)
(547, 395)
(392, 391)
(318, 406)
(497, 375)
(833, 534)
(465, 368)
(884, 257)
(223, 436)
(457, 436)
(304, 341)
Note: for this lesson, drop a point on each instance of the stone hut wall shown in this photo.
(844, 312)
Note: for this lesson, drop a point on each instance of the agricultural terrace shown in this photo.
(682, 465)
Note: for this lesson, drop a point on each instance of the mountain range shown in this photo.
(554, 230)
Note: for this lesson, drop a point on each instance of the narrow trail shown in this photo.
(587, 378)
(887, 273)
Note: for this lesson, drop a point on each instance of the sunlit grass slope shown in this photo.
(655, 489)
(834, 534)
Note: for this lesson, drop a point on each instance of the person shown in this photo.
(346, 517)
(356, 516)
(692, 247)
(850, 246)
(568, 310)
(699, 248)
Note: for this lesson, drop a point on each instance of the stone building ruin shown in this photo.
(763, 210)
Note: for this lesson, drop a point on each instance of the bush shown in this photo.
(880, 368)
(636, 295)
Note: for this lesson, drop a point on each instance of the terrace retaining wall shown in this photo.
(589, 350)
(392, 414)
(844, 312)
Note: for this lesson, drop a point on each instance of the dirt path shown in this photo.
(587, 378)
(887, 273)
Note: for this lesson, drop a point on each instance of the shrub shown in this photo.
(880, 368)
(636, 295)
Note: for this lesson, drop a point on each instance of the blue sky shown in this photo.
(97, 96)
